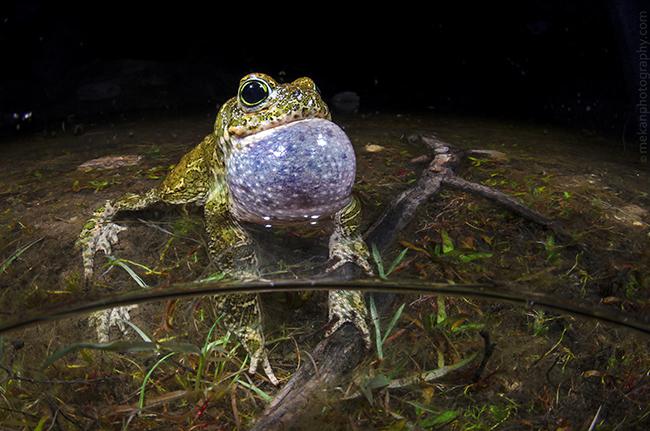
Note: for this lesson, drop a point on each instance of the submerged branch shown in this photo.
(296, 395)
(497, 196)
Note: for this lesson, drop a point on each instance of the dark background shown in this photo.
(570, 63)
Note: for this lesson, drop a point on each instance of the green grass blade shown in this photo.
(141, 266)
(215, 345)
(41, 424)
(367, 387)
(207, 337)
(400, 257)
(375, 322)
(376, 256)
(207, 347)
(215, 276)
(139, 331)
(119, 262)
(8, 261)
(266, 397)
(148, 375)
(392, 322)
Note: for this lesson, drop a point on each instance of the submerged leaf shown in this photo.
(377, 382)
(442, 312)
(427, 376)
(124, 347)
(392, 322)
(447, 243)
(397, 261)
(439, 420)
(468, 327)
(465, 258)
(115, 346)
(378, 261)
(266, 397)
(414, 247)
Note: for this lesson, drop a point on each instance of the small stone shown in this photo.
(611, 300)
(495, 155)
(110, 162)
(421, 159)
(635, 211)
(632, 214)
(373, 148)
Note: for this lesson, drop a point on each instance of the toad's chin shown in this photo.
(301, 171)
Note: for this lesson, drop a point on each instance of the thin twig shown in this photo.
(595, 420)
(488, 349)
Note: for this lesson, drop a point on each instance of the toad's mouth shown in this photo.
(259, 126)
(301, 171)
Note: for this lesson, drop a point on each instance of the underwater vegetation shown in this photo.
(437, 361)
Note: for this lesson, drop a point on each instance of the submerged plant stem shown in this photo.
(8, 261)
(148, 375)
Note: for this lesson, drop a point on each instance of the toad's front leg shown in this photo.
(188, 182)
(232, 248)
(100, 232)
(347, 246)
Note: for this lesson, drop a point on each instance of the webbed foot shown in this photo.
(347, 306)
(260, 355)
(99, 233)
(104, 320)
(345, 249)
(244, 319)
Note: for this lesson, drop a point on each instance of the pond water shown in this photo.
(173, 366)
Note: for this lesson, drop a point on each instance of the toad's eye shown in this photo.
(253, 92)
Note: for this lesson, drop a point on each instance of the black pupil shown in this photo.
(253, 92)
